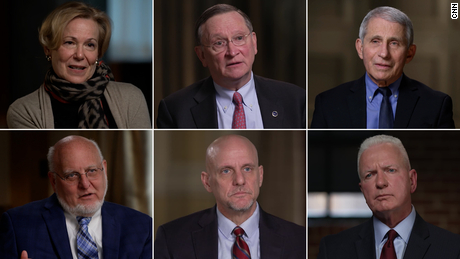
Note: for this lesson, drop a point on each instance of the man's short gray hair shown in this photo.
(392, 15)
(382, 139)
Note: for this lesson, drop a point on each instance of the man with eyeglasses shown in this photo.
(75, 222)
(232, 97)
(384, 97)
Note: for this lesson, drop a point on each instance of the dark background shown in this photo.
(332, 167)
(24, 65)
(280, 27)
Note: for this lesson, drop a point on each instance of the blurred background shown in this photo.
(280, 27)
(180, 159)
(24, 65)
(24, 167)
(335, 202)
(333, 27)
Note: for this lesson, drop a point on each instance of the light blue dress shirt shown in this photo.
(227, 239)
(374, 99)
(225, 106)
(404, 229)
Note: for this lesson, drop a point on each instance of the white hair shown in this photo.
(382, 139)
(50, 156)
(392, 15)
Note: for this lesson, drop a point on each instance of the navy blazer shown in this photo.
(418, 106)
(426, 241)
(39, 228)
(195, 106)
(195, 236)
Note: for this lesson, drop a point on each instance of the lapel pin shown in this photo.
(274, 114)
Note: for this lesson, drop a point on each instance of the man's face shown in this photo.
(386, 181)
(232, 67)
(234, 177)
(384, 51)
(86, 196)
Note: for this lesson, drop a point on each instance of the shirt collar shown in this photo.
(404, 228)
(225, 96)
(371, 87)
(72, 218)
(250, 226)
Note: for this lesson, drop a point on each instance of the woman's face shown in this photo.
(75, 59)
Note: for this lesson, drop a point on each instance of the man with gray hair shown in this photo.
(384, 97)
(396, 230)
(232, 97)
(75, 222)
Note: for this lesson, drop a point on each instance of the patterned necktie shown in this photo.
(386, 112)
(86, 247)
(240, 249)
(239, 120)
(388, 250)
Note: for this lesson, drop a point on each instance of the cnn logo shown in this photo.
(454, 10)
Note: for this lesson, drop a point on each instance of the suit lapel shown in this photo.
(365, 247)
(54, 218)
(272, 112)
(205, 240)
(110, 234)
(418, 240)
(205, 112)
(356, 105)
(408, 97)
(271, 243)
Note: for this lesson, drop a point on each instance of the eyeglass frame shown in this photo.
(79, 175)
(228, 42)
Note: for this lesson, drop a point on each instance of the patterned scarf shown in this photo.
(91, 112)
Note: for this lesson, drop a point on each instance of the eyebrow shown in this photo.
(69, 171)
(75, 39)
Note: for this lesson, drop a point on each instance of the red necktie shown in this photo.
(239, 121)
(388, 250)
(240, 249)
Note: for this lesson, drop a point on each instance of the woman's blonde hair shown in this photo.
(50, 34)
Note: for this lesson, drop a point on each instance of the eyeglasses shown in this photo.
(221, 44)
(74, 178)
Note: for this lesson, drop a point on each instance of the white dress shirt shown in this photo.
(404, 229)
(227, 239)
(226, 107)
(94, 229)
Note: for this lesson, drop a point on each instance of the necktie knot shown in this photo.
(83, 221)
(392, 234)
(238, 231)
(237, 98)
(385, 91)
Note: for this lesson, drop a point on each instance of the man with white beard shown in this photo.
(75, 222)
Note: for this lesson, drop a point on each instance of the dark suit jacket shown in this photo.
(418, 106)
(195, 106)
(195, 236)
(425, 242)
(40, 229)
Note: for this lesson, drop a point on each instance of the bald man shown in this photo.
(236, 226)
(75, 220)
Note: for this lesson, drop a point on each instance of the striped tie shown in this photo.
(86, 247)
(240, 248)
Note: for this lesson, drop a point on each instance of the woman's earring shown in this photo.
(97, 62)
(48, 58)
